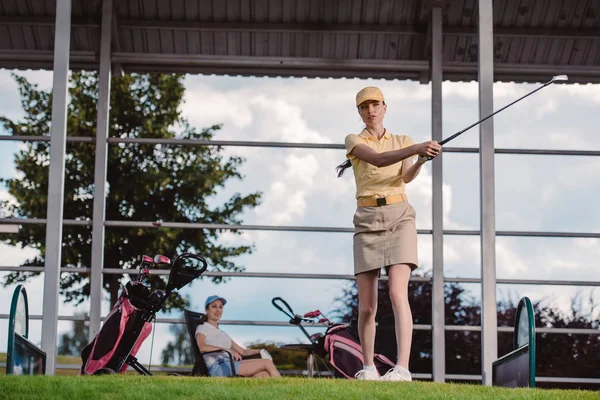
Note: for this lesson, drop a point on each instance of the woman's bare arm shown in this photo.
(365, 153)
(244, 352)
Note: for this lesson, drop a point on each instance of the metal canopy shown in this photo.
(533, 39)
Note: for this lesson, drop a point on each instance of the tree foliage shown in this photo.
(146, 182)
(71, 343)
(178, 351)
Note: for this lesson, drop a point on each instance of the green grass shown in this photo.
(175, 387)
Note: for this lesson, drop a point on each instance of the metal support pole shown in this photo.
(56, 182)
(489, 334)
(9, 228)
(437, 290)
(100, 170)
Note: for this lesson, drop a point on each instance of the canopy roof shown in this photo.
(533, 39)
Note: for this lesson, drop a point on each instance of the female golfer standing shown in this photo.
(385, 233)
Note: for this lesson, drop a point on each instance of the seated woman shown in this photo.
(209, 338)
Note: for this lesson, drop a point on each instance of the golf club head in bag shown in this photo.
(161, 260)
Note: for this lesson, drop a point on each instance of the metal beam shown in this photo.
(100, 172)
(295, 145)
(240, 143)
(197, 26)
(319, 28)
(56, 178)
(269, 62)
(437, 290)
(117, 69)
(6, 228)
(288, 228)
(537, 152)
(225, 274)
(533, 32)
(47, 55)
(489, 339)
(417, 327)
(303, 66)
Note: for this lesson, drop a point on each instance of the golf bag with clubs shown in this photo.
(340, 342)
(130, 320)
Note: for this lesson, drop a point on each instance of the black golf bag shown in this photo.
(340, 342)
(129, 322)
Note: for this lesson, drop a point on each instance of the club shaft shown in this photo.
(494, 113)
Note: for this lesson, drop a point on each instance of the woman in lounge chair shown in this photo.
(209, 338)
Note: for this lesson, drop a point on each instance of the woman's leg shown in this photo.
(256, 366)
(367, 308)
(399, 275)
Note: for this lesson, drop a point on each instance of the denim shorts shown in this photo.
(222, 367)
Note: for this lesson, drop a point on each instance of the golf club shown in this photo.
(346, 164)
(554, 79)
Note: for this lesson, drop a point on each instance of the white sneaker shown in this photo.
(366, 375)
(397, 374)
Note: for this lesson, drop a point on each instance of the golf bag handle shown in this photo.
(195, 257)
(289, 313)
(295, 319)
(181, 274)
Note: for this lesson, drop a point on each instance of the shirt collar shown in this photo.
(365, 134)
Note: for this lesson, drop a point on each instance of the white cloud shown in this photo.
(13, 256)
(282, 205)
(511, 260)
(548, 107)
(589, 92)
(284, 122)
(470, 91)
(5, 196)
(213, 106)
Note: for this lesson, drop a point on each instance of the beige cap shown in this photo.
(369, 93)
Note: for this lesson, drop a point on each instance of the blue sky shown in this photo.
(299, 186)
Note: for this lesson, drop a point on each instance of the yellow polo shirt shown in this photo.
(370, 180)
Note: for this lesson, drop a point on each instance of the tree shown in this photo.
(145, 182)
(179, 351)
(73, 342)
(283, 359)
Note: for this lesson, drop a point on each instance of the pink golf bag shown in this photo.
(130, 320)
(339, 341)
(123, 332)
(345, 353)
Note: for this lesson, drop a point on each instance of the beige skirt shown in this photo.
(384, 236)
